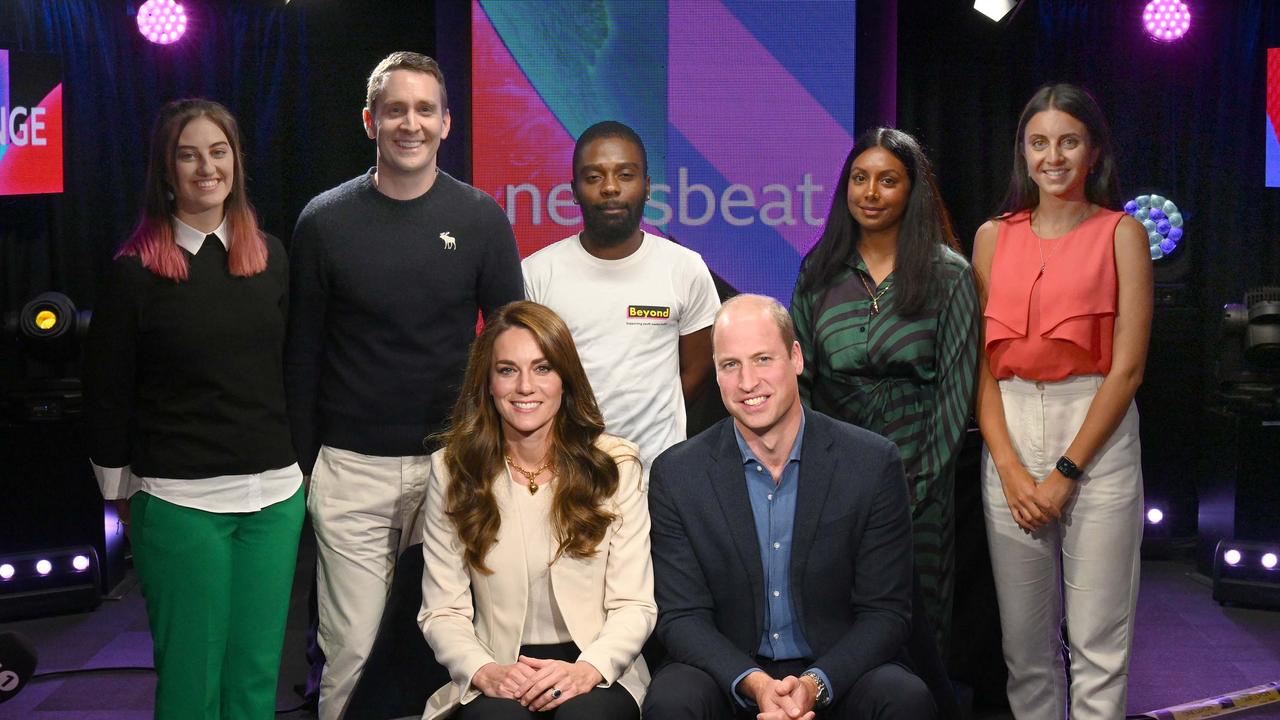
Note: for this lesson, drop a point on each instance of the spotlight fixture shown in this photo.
(163, 22)
(55, 580)
(998, 9)
(1244, 573)
(1259, 319)
(49, 327)
(1155, 516)
(1166, 20)
(1162, 221)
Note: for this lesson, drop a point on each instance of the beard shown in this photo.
(612, 230)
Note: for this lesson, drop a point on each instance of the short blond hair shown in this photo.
(404, 60)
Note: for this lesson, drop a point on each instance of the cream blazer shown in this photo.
(471, 619)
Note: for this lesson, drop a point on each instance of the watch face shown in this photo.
(1068, 468)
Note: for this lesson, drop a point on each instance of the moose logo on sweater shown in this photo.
(450, 243)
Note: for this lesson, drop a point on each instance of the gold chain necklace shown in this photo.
(875, 297)
(529, 475)
(1058, 243)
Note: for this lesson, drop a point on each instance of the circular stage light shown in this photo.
(1155, 515)
(80, 563)
(44, 567)
(6, 572)
(1166, 20)
(162, 21)
(1232, 556)
(1269, 561)
(1161, 220)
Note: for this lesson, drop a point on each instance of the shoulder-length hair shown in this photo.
(1102, 185)
(925, 229)
(475, 448)
(153, 239)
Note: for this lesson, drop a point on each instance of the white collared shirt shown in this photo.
(190, 239)
(222, 494)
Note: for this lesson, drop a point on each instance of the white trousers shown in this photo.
(365, 510)
(1086, 563)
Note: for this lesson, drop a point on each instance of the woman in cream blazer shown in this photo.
(538, 588)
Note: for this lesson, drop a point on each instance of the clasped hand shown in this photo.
(1034, 505)
(531, 681)
(787, 699)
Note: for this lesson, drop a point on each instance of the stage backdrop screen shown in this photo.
(30, 123)
(745, 108)
(1273, 117)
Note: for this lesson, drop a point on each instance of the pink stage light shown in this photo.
(80, 563)
(44, 567)
(6, 571)
(162, 21)
(1166, 20)
(1232, 557)
(1269, 561)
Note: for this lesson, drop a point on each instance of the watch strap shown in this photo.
(823, 699)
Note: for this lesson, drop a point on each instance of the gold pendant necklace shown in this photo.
(1057, 240)
(529, 475)
(875, 297)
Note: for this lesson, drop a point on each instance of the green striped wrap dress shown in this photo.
(911, 380)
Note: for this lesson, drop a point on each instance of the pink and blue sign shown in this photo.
(30, 123)
(745, 108)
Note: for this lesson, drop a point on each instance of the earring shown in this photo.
(169, 194)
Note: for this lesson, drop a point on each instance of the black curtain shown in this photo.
(294, 75)
(1188, 120)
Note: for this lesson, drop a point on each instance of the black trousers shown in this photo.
(887, 692)
(613, 702)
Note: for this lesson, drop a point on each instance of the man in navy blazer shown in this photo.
(782, 550)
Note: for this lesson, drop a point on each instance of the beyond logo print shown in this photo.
(648, 312)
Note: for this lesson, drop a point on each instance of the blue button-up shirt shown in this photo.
(774, 507)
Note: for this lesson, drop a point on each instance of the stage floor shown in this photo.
(1186, 647)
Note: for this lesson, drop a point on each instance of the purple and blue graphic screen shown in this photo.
(1273, 117)
(745, 108)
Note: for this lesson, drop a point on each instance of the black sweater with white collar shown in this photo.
(185, 379)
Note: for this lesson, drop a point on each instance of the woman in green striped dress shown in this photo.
(886, 313)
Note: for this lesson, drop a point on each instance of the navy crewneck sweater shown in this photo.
(385, 295)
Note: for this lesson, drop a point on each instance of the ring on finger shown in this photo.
(556, 693)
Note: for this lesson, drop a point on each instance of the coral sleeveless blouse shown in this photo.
(1060, 323)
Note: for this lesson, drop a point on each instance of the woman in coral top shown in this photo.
(1067, 293)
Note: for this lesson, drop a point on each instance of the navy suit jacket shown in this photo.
(851, 554)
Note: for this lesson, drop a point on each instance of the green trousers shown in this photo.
(217, 589)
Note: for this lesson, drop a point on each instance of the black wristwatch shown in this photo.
(1068, 468)
(824, 694)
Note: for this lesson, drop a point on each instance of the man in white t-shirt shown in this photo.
(639, 306)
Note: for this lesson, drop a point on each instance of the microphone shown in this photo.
(17, 664)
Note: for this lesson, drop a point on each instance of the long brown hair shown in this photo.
(1102, 186)
(474, 446)
(153, 240)
(925, 229)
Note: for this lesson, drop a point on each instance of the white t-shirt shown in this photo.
(627, 317)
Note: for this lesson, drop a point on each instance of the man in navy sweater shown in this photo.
(389, 271)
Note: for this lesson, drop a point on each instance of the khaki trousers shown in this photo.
(365, 510)
(1085, 564)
